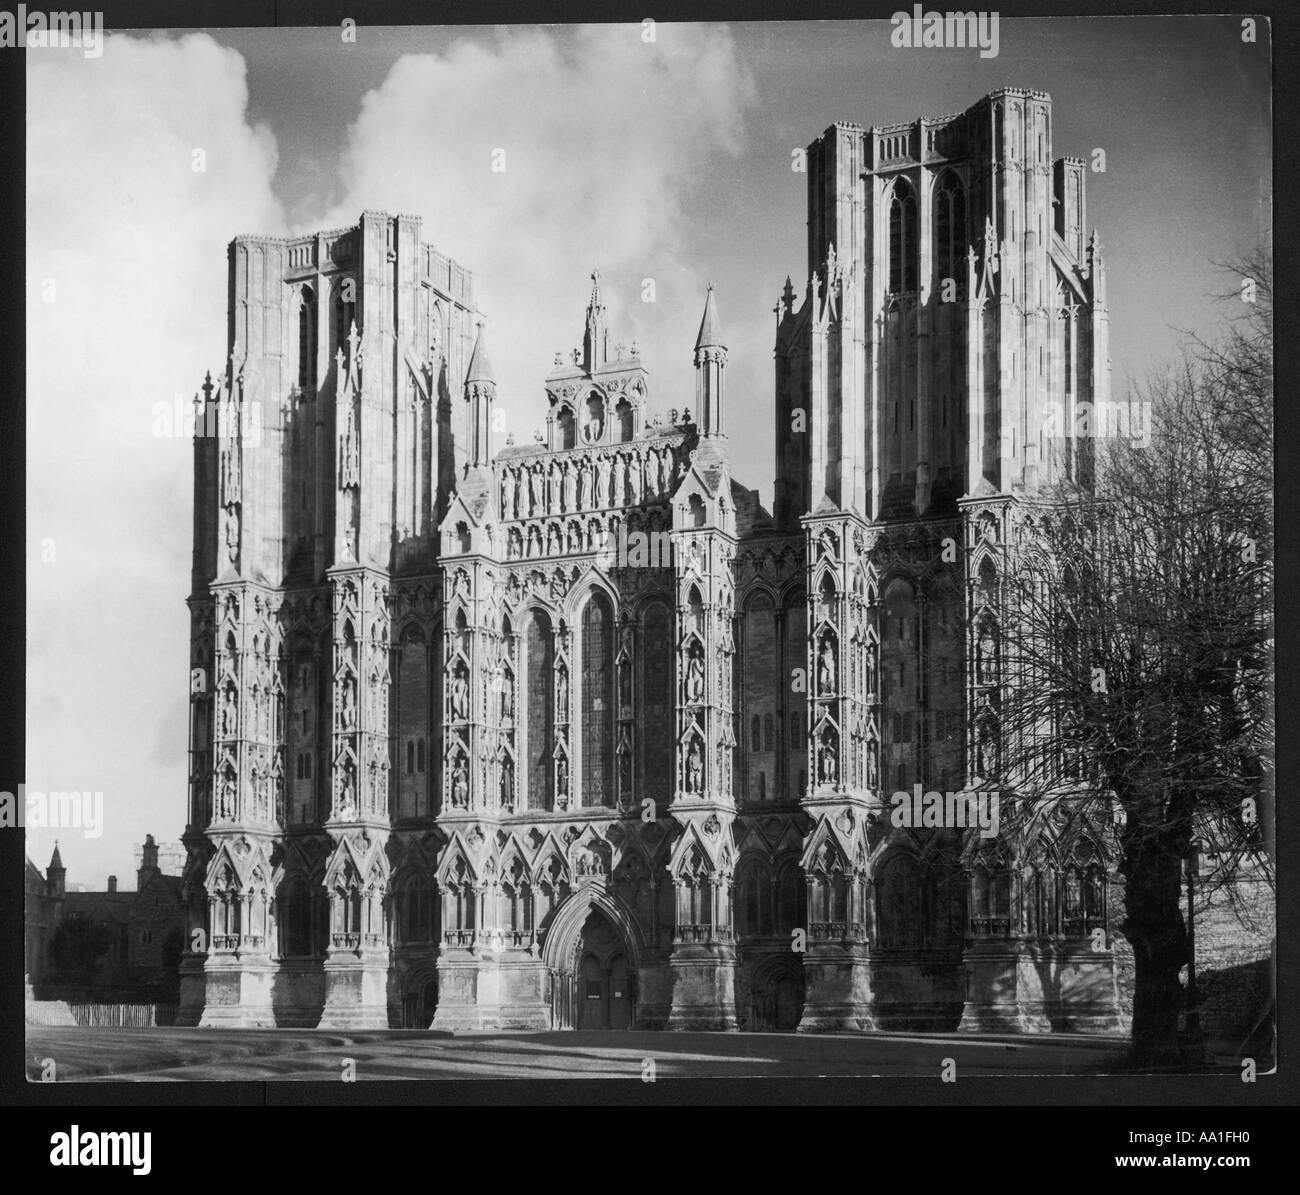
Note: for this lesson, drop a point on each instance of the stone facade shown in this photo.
(574, 733)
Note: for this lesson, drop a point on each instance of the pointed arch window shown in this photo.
(950, 230)
(597, 702)
(307, 340)
(342, 315)
(902, 238)
(540, 667)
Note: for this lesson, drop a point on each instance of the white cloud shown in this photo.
(607, 140)
(134, 242)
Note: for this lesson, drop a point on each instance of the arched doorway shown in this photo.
(604, 995)
(776, 995)
(420, 1000)
(591, 947)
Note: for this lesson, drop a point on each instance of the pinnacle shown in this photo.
(480, 368)
(710, 326)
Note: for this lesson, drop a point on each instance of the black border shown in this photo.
(1110, 1097)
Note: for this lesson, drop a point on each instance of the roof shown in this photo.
(480, 368)
(105, 907)
(710, 326)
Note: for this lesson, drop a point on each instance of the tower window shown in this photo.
(307, 340)
(902, 239)
(950, 230)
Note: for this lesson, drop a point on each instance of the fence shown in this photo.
(124, 1016)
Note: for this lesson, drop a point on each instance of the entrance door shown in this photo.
(789, 1004)
(605, 981)
(620, 994)
(594, 1009)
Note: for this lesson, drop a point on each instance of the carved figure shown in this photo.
(695, 768)
(695, 676)
(826, 667)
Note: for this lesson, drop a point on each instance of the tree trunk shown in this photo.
(1153, 870)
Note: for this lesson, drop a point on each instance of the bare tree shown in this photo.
(1142, 648)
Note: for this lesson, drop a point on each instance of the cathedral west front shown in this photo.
(574, 733)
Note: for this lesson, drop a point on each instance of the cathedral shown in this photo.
(576, 734)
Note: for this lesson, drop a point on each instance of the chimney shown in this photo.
(112, 883)
(148, 863)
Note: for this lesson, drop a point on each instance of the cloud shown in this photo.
(607, 141)
(129, 241)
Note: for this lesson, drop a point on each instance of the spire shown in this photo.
(54, 875)
(595, 340)
(480, 391)
(480, 368)
(710, 326)
(710, 364)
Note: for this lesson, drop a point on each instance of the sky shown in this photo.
(668, 161)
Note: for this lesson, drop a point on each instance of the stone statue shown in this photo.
(348, 703)
(459, 784)
(985, 654)
(226, 799)
(570, 489)
(620, 480)
(554, 481)
(537, 500)
(232, 533)
(347, 796)
(828, 762)
(602, 481)
(695, 768)
(562, 695)
(562, 778)
(695, 676)
(507, 700)
(507, 783)
(584, 485)
(634, 480)
(460, 696)
(826, 668)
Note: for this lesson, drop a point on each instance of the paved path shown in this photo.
(187, 1054)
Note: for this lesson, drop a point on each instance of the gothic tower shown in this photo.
(571, 732)
(324, 449)
(954, 321)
